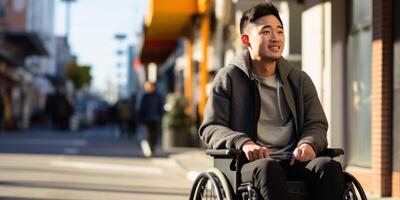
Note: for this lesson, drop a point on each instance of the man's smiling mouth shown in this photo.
(274, 47)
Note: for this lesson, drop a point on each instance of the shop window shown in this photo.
(359, 84)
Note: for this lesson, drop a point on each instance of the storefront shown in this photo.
(356, 77)
(16, 82)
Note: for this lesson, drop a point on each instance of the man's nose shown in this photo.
(273, 37)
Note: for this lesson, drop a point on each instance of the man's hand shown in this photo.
(254, 151)
(303, 153)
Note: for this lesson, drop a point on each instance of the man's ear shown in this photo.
(245, 40)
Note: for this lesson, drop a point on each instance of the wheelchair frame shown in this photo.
(224, 179)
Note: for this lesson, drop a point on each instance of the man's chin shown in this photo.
(273, 58)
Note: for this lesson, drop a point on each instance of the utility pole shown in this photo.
(68, 17)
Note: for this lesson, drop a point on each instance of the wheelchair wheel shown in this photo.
(352, 188)
(210, 184)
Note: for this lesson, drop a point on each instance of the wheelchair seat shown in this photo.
(224, 181)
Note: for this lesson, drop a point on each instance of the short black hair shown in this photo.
(260, 10)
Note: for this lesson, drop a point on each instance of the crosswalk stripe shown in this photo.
(108, 167)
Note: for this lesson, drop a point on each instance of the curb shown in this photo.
(192, 160)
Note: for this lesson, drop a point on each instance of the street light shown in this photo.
(120, 37)
(119, 52)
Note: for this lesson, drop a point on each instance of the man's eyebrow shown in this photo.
(269, 26)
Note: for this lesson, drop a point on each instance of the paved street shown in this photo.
(91, 164)
(101, 141)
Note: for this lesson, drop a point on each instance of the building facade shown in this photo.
(28, 48)
(40, 19)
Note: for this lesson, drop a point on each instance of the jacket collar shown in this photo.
(242, 61)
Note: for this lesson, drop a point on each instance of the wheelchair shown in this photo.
(222, 182)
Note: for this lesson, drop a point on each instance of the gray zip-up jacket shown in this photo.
(233, 107)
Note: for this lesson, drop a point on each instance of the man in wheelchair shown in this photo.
(268, 109)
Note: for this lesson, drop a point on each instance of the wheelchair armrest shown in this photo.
(333, 152)
(330, 152)
(223, 152)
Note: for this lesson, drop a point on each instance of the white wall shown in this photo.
(312, 44)
(40, 19)
(317, 63)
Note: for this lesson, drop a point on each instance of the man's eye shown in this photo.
(265, 32)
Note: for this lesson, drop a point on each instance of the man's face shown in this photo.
(266, 38)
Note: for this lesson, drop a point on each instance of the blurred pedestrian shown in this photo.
(133, 123)
(126, 115)
(59, 109)
(150, 113)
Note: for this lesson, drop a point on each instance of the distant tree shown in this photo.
(78, 74)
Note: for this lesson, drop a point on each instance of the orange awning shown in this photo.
(165, 23)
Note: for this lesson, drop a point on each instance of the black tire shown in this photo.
(349, 192)
(352, 188)
(210, 185)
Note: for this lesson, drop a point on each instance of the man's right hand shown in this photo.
(254, 151)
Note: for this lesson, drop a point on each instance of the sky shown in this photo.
(94, 24)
